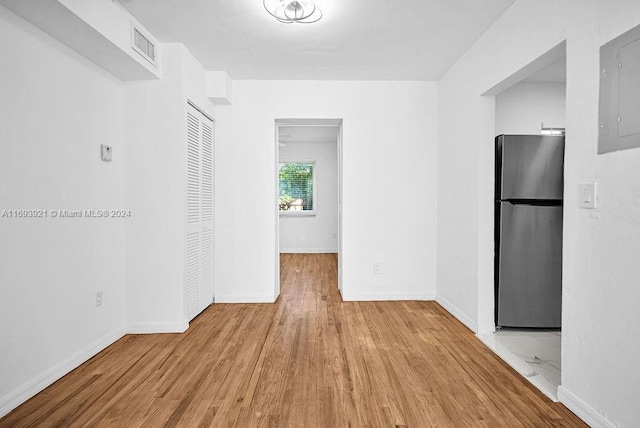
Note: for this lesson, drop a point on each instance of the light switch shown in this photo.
(587, 196)
(105, 152)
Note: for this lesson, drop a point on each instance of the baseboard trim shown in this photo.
(308, 250)
(242, 298)
(377, 297)
(157, 327)
(584, 411)
(31, 388)
(456, 312)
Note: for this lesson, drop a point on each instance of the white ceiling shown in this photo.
(308, 134)
(355, 40)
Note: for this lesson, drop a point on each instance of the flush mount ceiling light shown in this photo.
(293, 11)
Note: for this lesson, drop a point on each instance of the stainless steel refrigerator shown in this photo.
(528, 232)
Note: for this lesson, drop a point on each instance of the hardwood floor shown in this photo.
(309, 360)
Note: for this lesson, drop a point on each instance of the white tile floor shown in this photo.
(535, 354)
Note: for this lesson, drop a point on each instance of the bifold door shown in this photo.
(199, 239)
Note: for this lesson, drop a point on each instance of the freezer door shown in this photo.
(531, 166)
(529, 291)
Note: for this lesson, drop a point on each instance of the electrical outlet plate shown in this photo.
(99, 298)
(377, 268)
(105, 152)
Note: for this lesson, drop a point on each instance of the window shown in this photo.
(297, 187)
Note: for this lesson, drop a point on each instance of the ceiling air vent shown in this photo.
(142, 45)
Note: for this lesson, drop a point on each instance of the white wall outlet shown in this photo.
(105, 152)
(587, 196)
(334, 235)
(377, 268)
(98, 297)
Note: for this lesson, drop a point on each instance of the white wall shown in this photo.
(155, 180)
(524, 106)
(155, 162)
(600, 380)
(56, 109)
(389, 156)
(318, 233)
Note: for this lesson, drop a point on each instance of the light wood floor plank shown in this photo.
(308, 360)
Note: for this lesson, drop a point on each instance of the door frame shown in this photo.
(486, 295)
(280, 123)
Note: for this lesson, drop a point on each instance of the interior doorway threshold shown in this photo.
(534, 354)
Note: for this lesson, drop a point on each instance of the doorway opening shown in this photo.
(308, 174)
(531, 103)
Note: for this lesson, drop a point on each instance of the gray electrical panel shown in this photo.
(619, 112)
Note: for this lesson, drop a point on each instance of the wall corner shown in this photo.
(219, 87)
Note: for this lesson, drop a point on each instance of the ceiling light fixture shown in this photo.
(293, 11)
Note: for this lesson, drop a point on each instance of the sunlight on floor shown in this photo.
(534, 354)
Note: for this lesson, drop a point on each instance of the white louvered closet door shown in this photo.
(199, 239)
